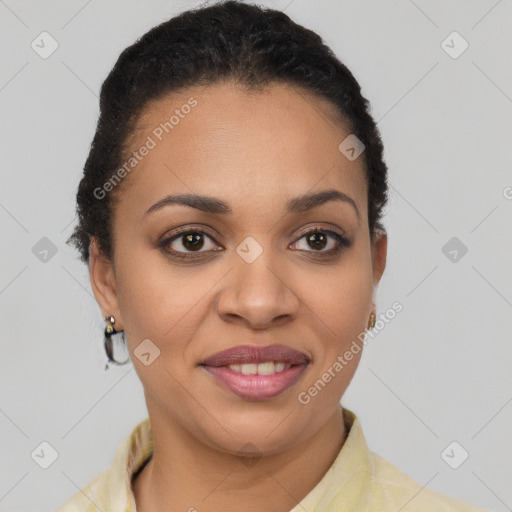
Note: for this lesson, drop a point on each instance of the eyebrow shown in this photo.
(215, 205)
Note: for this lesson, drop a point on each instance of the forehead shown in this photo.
(244, 145)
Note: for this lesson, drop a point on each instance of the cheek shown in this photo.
(342, 297)
(340, 306)
(160, 301)
(340, 302)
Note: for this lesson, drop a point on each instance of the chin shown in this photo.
(250, 428)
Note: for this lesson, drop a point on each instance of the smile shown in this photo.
(267, 368)
(257, 373)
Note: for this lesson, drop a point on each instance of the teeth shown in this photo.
(266, 368)
(249, 369)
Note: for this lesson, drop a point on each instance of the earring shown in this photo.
(110, 333)
(371, 323)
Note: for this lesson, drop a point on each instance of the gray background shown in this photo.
(439, 372)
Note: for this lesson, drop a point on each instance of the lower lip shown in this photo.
(257, 387)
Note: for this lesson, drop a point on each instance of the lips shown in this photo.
(257, 373)
(247, 354)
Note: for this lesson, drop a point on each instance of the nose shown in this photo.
(258, 295)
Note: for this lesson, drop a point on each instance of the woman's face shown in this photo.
(241, 268)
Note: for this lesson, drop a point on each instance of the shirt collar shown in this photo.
(131, 455)
(349, 474)
(350, 471)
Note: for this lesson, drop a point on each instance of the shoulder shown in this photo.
(111, 489)
(394, 490)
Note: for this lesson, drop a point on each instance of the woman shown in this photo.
(230, 214)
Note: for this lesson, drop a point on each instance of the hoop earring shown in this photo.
(110, 332)
(373, 319)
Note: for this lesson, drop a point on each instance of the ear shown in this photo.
(379, 255)
(103, 283)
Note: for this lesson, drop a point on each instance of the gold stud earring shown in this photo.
(109, 328)
(373, 319)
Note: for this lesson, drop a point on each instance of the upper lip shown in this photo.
(250, 354)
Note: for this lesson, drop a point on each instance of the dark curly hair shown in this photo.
(252, 45)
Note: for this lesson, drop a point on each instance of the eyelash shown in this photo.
(341, 243)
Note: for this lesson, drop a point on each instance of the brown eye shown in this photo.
(193, 241)
(318, 239)
(186, 242)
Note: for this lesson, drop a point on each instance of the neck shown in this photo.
(185, 474)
